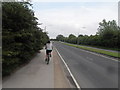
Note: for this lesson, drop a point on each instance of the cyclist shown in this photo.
(48, 48)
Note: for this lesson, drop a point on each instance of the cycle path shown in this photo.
(37, 74)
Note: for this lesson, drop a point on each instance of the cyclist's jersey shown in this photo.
(49, 46)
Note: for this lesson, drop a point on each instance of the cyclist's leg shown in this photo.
(46, 55)
(50, 53)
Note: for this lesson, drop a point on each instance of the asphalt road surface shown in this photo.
(90, 70)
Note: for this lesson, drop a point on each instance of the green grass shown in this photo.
(113, 54)
(100, 47)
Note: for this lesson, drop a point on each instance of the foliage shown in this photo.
(113, 54)
(21, 36)
(107, 36)
(60, 38)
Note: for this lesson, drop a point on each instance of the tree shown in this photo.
(21, 36)
(108, 31)
(80, 35)
(72, 36)
(108, 35)
(72, 39)
(60, 38)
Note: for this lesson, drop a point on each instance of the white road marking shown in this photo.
(89, 58)
(78, 86)
(99, 55)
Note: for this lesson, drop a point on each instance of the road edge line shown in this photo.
(78, 86)
(98, 54)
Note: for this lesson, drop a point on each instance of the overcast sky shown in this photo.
(66, 18)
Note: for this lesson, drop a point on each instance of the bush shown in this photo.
(20, 35)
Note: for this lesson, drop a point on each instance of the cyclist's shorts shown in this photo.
(48, 51)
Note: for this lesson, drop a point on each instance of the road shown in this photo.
(90, 70)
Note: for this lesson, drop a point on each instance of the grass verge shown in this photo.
(107, 48)
(113, 54)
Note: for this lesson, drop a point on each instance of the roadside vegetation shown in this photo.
(21, 36)
(113, 54)
(107, 37)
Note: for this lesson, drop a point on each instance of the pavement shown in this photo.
(37, 74)
(90, 70)
(60, 77)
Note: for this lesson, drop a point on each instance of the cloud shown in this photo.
(72, 19)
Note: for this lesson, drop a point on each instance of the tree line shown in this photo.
(107, 36)
(21, 36)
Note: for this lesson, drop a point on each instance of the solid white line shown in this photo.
(78, 86)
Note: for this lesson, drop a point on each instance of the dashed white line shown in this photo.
(78, 86)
